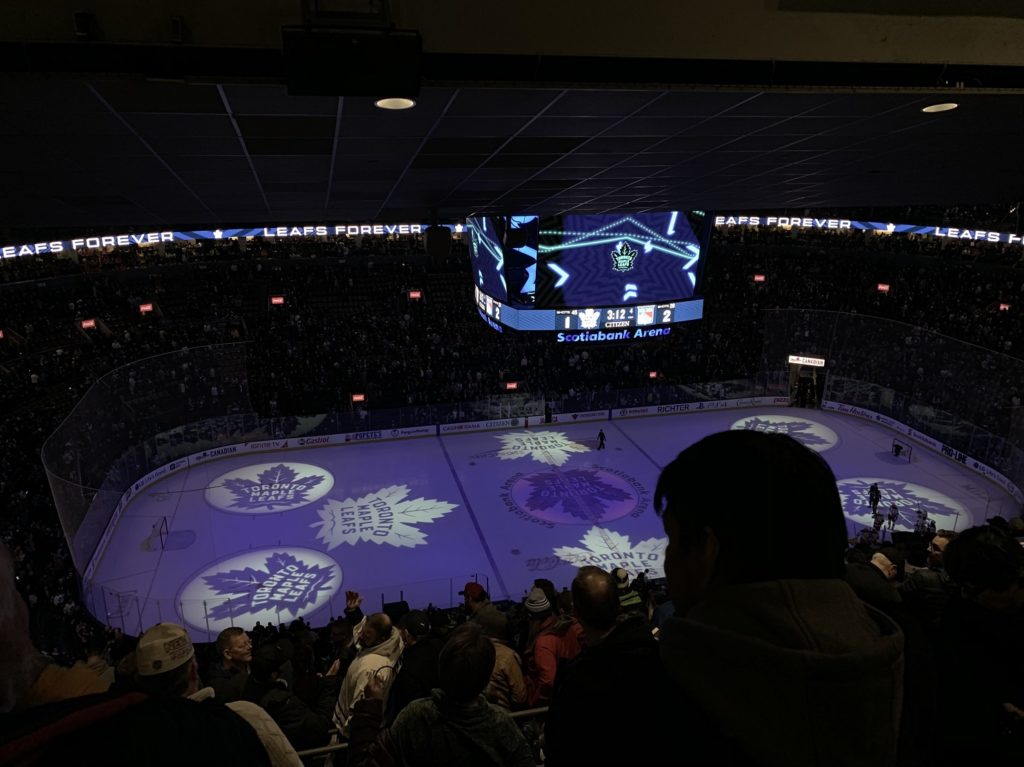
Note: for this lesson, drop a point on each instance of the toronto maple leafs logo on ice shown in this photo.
(576, 496)
(269, 487)
(812, 434)
(382, 517)
(550, 447)
(910, 499)
(267, 584)
(608, 549)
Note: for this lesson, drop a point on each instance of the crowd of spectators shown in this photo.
(348, 325)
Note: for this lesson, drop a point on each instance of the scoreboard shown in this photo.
(615, 317)
(588, 272)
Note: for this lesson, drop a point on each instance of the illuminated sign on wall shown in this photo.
(814, 362)
(759, 278)
(153, 238)
(1004, 307)
(415, 295)
(511, 385)
(881, 227)
(145, 308)
(277, 300)
(883, 287)
(88, 324)
(359, 398)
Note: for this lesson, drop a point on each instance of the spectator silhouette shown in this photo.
(776, 659)
(619, 661)
(455, 725)
(981, 697)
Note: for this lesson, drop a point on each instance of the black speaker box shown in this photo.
(352, 62)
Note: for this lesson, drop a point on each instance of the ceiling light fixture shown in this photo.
(933, 108)
(394, 103)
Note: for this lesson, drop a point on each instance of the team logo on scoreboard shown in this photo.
(608, 549)
(645, 315)
(550, 447)
(912, 501)
(812, 434)
(624, 257)
(266, 488)
(589, 318)
(263, 585)
(574, 497)
(385, 516)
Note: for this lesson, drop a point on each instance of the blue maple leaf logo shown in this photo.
(276, 486)
(798, 430)
(287, 584)
(582, 493)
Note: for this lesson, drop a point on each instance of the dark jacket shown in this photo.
(416, 677)
(436, 731)
(619, 674)
(986, 671)
(117, 729)
(228, 683)
(799, 673)
(305, 726)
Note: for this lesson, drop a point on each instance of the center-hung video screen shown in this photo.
(589, 272)
(629, 259)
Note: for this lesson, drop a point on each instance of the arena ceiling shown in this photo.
(97, 152)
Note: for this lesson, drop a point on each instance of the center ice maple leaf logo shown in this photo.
(802, 431)
(277, 486)
(381, 517)
(550, 447)
(581, 492)
(608, 549)
(287, 583)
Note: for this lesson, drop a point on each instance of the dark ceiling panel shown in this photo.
(290, 146)
(501, 101)
(148, 96)
(286, 127)
(180, 125)
(274, 100)
(521, 148)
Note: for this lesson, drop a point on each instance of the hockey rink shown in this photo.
(271, 536)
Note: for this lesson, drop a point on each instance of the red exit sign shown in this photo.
(145, 308)
(88, 324)
(277, 300)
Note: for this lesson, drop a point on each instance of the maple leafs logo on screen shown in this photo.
(550, 447)
(624, 257)
(286, 584)
(382, 517)
(608, 549)
(588, 318)
(580, 492)
(276, 486)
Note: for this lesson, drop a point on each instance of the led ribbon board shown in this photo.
(268, 232)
